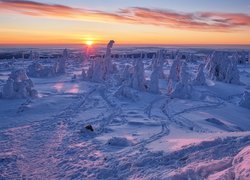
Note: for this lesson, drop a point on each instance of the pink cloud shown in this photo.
(206, 21)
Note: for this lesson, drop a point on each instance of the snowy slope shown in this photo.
(152, 136)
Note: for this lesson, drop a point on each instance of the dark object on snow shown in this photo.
(89, 127)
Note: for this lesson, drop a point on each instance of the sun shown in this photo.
(89, 43)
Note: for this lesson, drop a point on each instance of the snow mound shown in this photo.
(241, 164)
(119, 141)
(126, 92)
(39, 70)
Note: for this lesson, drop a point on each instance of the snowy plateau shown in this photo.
(118, 112)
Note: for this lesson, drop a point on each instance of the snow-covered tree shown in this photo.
(190, 58)
(98, 71)
(245, 100)
(183, 88)
(18, 85)
(174, 74)
(62, 62)
(90, 71)
(8, 89)
(221, 68)
(154, 81)
(138, 77)
(108, 61)
(160, 62)
(126, 75)
(84, 75)
(200, 79)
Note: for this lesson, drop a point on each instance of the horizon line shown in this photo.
(126, 44)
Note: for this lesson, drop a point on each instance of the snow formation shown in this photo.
(18, 85)
(37, 69)
(100, 69)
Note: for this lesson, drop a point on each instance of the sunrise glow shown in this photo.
(89, 43)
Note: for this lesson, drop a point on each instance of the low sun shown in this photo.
(89, 42)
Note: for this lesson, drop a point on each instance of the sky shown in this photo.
(125, 21)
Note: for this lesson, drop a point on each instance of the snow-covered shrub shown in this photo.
(245, 100)
(18, 85)
(126, 92)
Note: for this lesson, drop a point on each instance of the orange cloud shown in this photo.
(205, 21)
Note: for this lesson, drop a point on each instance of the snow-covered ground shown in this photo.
(142, 136)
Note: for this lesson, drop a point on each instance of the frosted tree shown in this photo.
(98, 71)
(154, 81)
(174, 74)
(8, 89)
(160, 62)
(232, 73)
(190, 58)
(138, 78)
(245, 100)
(90, 71)
(126, 75)
(221, 68)
(183, 89)
(200, 78)
(242, 57)
(84, 75)
(100, 68)
(108, 61)
(62, 62)
(18, 85)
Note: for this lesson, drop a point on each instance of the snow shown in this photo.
(245, 100)
(189, 125)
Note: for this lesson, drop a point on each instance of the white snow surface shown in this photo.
(139, 132)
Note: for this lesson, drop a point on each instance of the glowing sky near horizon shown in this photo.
(128, 22)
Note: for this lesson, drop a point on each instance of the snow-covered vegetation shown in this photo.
(125, 113)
